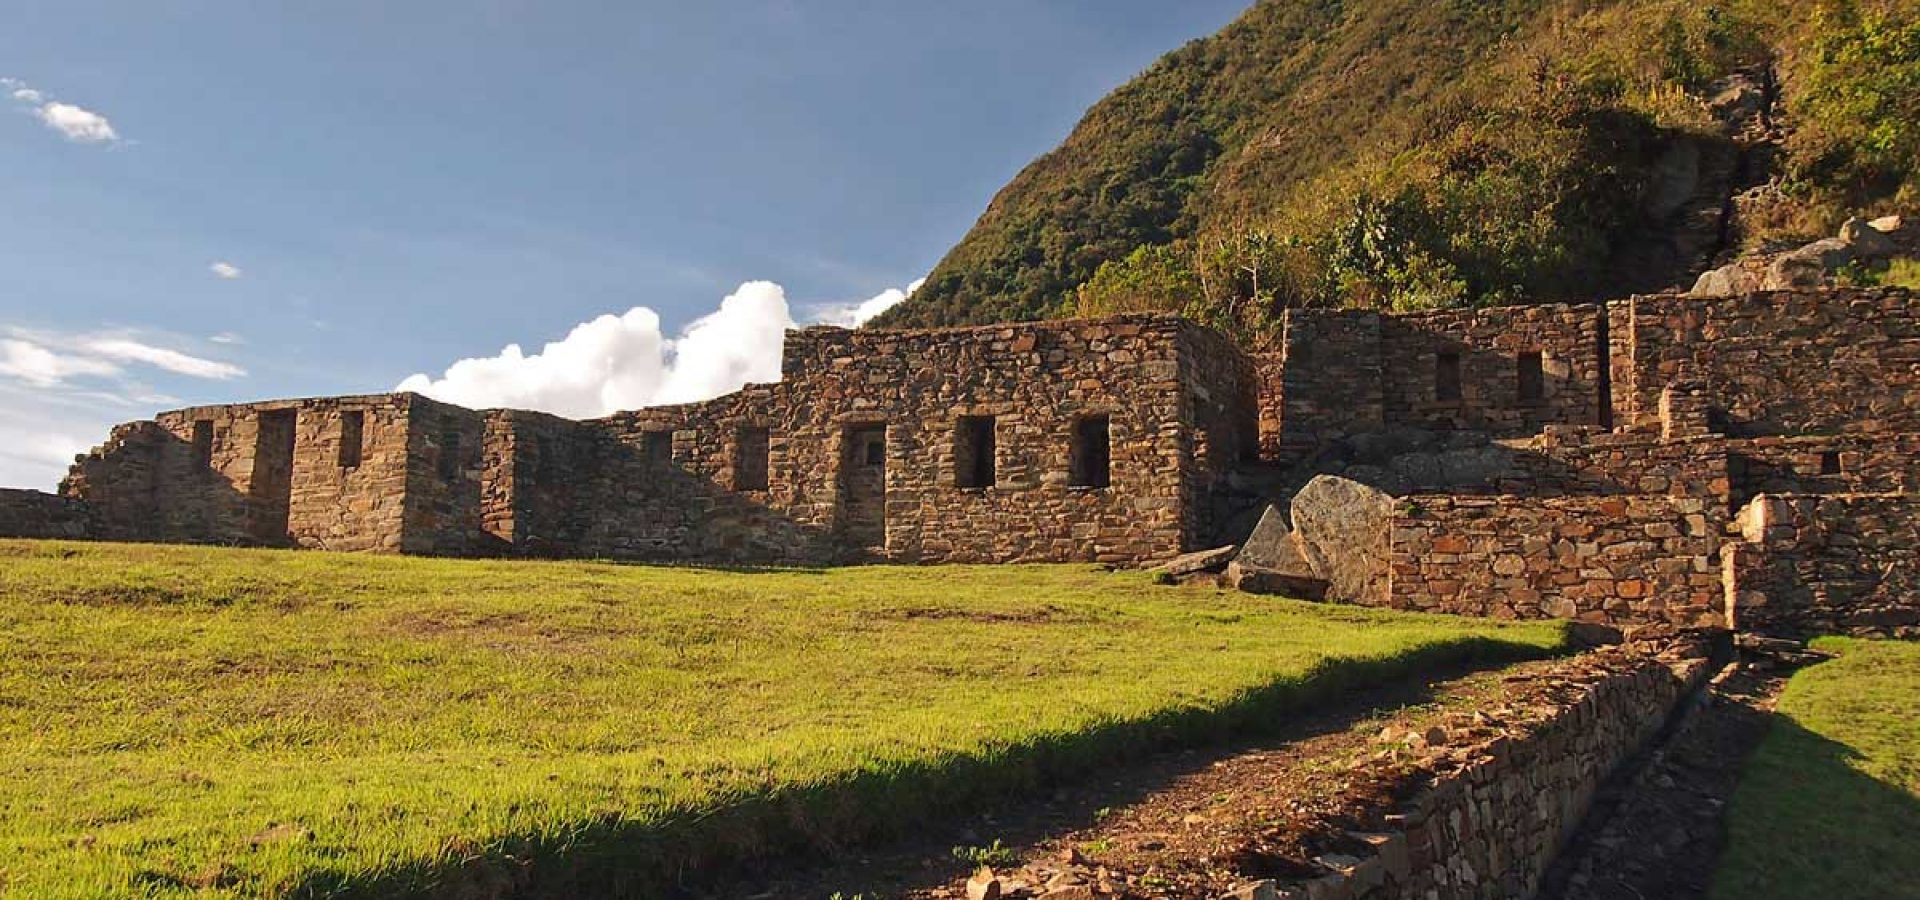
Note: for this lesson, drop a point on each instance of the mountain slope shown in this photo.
(1411, 153)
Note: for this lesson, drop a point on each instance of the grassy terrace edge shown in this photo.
(1111, 632)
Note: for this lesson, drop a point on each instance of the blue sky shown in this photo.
(225, 201)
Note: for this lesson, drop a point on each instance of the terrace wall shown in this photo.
(1809, 565)
(1490, 808)
(1617, 560)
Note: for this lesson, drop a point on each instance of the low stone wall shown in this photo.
(1495, 801)
(36, 514)
(1620, 560)
(1812, 565)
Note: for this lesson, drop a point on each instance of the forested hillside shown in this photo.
(1428, 153)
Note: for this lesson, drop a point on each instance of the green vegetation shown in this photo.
(1412, 154)
(244, 723)
(1830, 803)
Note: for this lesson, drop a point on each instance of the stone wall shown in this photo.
(265, 474)
(38, 514)
(1825, 464)
(1776, 362)
(1220, 396)
(1035, 383)
(1489, 807)
(1094, 440)
(1619, 560)
(1811, 565)
(1328, 369)
(1474, 369)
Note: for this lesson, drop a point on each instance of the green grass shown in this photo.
(1829, 806)
(237, 722)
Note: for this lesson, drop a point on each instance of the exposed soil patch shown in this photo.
(1190, 824)
(1657, 834)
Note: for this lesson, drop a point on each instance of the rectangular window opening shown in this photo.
(1446, 376)
(973, 452)
(750, 463)
(1091, 463)
(203, 444)
(658, 446)
(353, 431)
(1830, 462)
(1532, 381)
(876, 450)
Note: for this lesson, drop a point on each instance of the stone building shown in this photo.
(1097, 441)
(1744, 460)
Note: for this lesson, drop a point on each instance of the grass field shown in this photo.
(1829, 806)
(244, 723)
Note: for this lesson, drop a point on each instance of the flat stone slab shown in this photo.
(1202, 561)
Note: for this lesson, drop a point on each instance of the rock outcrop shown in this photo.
(1814, 265)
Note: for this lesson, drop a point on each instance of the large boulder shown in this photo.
(1727, 281)
(1341, 527)
(1270, 562)
(1271, 546)
(1809, 266)
(1867, 241)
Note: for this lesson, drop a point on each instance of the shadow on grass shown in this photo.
(618, 858)
(1807, 822)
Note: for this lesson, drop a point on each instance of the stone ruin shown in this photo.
(1744, 461)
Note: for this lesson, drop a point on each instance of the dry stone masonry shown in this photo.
(1589, 461)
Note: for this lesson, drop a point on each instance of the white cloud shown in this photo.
(42, 367)
(227, 337)
(854, 315)
(226, 270)
(127, 350)
(76, 123)
(625, 362)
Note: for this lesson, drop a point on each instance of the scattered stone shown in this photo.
(983, 885)
(1259, 890)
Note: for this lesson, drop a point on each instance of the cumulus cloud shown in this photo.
(226, 270)
(625, 362)
(854, 315)
(76, 123)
